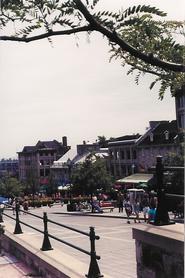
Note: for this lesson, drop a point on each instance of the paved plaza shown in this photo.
(115, 247)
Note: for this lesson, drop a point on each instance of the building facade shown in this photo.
(137, 153)
(35, 161)
(160, 139)
(9, 167)
(123, 155)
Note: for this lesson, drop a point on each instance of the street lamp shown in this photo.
(162, 217)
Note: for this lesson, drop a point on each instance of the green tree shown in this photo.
(137, 35)
(10, 186)
(52, 185)
(90, 176)
(102, 141)
(32, 182)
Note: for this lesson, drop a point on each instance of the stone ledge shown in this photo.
(169, 237)
(51, 264)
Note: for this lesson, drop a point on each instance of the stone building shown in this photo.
(123, 155)
(9, 167)
(35, 161)
(137, 153)
(160, 139)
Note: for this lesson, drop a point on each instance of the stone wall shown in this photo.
(160, 251)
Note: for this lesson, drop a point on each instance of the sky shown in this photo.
(71, 89)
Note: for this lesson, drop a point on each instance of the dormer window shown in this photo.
(151, 137)
(166, 134)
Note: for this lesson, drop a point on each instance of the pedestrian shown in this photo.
(151, 214)
(128, 209)
(25, 206)
(95, 205)
(145, 206)
(120, 201)
(153, 201)
(137, 210)
(13, 206)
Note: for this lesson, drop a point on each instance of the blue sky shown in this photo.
(47, 93)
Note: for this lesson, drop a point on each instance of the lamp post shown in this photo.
(162, 217)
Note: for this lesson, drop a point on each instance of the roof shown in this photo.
(48, 144)
(158, 132)
(136, 178)
(45, 145)
(126, 140)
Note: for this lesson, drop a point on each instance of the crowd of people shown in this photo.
(20, 205)
(134, 206)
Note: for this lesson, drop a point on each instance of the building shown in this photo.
(123, 155)
(135, 153)
(35, 161)
(9, 167)
(87, 147)
(160, 139)
(62, 168)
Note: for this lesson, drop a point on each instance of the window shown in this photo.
(166, 134)
(134, 154)
(122, 155)
(41, 172)
(128, 154)
(47, 172)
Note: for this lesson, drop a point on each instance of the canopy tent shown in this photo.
(135, 180)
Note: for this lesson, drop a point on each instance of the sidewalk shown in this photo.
(13, 267)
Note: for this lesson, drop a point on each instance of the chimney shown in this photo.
(64, 141)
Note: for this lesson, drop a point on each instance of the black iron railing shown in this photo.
(94, 271)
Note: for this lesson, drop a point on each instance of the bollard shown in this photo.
(18, 229)
(1, 233)
(46, 242)
(1, 215)
(162, 217)
(94, 271)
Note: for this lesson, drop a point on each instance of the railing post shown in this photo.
(162, 217)
(18, 229)
(46, 242)
(1, 214)
(94, 271)
(1, 233)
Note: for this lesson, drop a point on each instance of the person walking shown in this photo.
(25, 206)
(120, 201)
(145, 206)
(137, 210)
(151, 214)
(128, 209)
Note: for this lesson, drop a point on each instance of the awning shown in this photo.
(136, 179)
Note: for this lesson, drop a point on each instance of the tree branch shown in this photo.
(46, 35)
(113, 36)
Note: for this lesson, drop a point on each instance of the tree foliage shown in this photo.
(90, 176)
(10, 186)
(138, 35)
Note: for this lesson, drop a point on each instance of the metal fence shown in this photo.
(94, 271)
